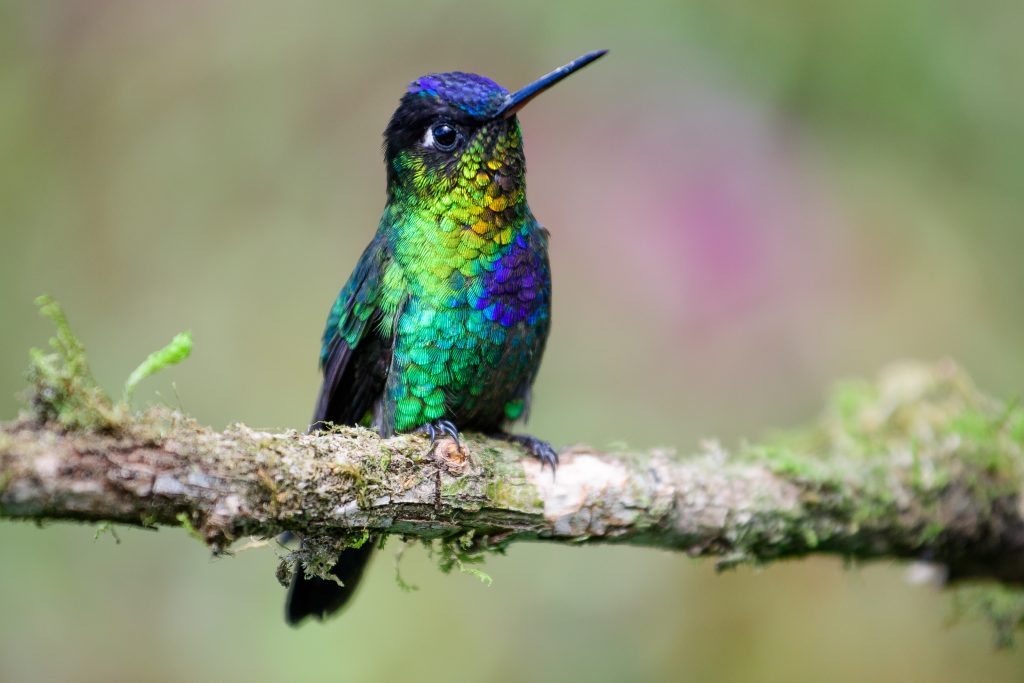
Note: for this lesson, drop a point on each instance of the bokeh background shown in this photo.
(747, 202)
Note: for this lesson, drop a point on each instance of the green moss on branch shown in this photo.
(918, 465)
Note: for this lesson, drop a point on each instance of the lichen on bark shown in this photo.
(917, 466)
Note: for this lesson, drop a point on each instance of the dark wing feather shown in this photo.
(354, 357)
(354, 380)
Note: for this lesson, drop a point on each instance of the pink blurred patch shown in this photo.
(701, 238)
(711, 214)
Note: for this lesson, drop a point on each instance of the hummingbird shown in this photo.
(442, 324)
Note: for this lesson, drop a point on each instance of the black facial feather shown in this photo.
(408, 125)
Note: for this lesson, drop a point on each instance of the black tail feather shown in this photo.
(320, 598)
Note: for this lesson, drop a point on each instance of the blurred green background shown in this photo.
(747, 201)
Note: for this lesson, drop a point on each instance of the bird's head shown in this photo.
(456, 135)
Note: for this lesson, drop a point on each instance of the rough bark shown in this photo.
(918, 465)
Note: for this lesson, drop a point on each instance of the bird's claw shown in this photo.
(544, 452)
(538, 448)
(439, 429)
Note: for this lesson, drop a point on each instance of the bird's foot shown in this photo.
(454, 457)
(439, 429)
(539, 449)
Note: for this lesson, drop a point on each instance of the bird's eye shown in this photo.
(443, 137)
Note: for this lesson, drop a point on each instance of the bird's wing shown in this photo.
(354, 356)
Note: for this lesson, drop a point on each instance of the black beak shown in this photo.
(518, 100)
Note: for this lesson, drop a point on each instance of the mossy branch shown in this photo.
(916, 466)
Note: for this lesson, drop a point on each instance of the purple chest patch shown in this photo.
(515, 287)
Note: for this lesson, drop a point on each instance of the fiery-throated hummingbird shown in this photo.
(442, 324)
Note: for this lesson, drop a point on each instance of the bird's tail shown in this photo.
(320, 598)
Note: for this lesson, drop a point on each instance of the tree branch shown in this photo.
(916, 466)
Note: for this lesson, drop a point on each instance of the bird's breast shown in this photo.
(506, 277)
(470, 333)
